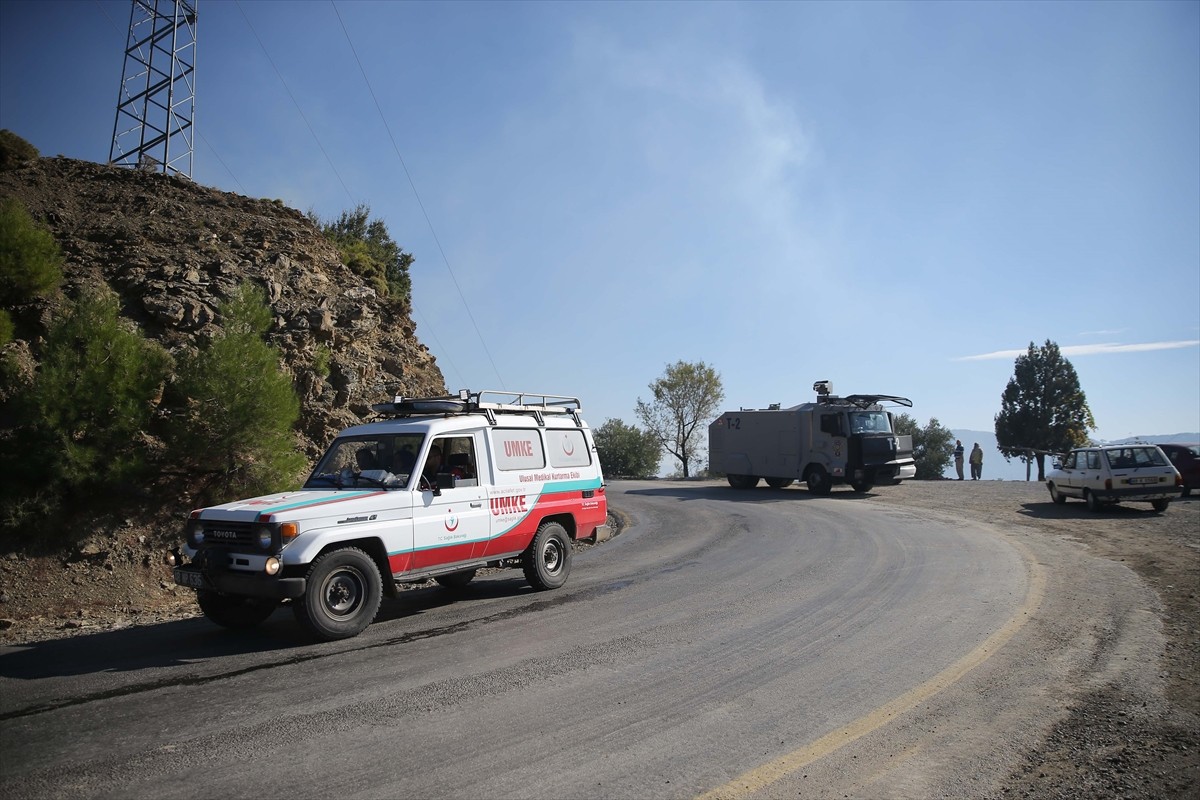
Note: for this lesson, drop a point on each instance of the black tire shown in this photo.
(547, 560)
(862, 486)
(1055, 495)
(1093, 502)
(1186, 492)
(818, 480)
(779, 483)
(343, 594)
(233, 612)
(456, 580)
(1160, 506)
(742, 481)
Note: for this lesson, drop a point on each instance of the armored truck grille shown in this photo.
(231, 534)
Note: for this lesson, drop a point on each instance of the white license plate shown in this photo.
(189, 578)
(1143, 480)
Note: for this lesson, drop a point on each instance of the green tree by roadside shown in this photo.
(234, 434)
(80, 423)
(626, 450)
(932, 445)
(684, 400)
(1043, 409)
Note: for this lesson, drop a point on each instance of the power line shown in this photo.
(316, 138)
(417, 194)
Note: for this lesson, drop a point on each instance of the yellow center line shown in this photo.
(766, 774)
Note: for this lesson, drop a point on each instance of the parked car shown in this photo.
(1186, 458)
(1116, 474)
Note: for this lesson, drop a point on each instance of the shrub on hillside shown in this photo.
(30, 262)
(233, 436)
(368, 249)
(15, 151)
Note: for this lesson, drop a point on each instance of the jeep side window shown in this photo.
(1069, 461)
(1093, 459)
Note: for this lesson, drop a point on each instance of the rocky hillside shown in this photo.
(173, 250)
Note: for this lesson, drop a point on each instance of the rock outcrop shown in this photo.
(173, 250)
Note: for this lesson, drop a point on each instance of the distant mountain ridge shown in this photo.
(995, 467)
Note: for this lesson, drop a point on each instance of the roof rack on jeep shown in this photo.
(536, 404)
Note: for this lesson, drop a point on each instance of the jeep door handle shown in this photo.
(477, 505)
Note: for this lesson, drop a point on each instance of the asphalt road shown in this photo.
(731, 644)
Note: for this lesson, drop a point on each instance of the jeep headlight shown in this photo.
(264, 536)
(195, 533)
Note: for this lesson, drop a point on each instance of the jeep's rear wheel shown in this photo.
(547, 561)
(343, 594)
(233, 612)
(456, 580)
(1093, 502)
(1056, 495)
(818, 480)
(1160, 505)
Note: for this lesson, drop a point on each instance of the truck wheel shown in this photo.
(1093, 502)
(547, 561)
(343, 594)
(742, 481)
(818, 480)
(779, 483)
(1159, 506)
(235, 613)
(456, 580)
(1056, 495)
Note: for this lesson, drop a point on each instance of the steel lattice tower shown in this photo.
(156, 106)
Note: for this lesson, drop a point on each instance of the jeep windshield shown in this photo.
(381, 461)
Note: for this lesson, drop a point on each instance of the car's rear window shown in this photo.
(1134, 457)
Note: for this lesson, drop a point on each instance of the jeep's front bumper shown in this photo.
(243, 584)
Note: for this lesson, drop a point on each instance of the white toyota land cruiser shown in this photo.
(443, 487)
(1115, 474)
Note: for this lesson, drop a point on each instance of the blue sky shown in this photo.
(897, 197)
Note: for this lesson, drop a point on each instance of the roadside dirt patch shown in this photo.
(1112, 744)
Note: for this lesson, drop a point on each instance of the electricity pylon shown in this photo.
(156, 107)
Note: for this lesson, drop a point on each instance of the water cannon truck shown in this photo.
(835, 440)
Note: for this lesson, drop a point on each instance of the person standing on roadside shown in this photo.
(958, 457)
(976, 462)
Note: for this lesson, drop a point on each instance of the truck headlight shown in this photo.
(195, 533)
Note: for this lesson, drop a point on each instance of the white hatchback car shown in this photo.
(1114, 474)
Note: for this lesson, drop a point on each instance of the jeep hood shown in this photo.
(297, 504)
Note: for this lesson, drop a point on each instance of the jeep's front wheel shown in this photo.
(1055, 495)
(343, 594)
(547, 561)
(1160, 505)
(235, 613)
